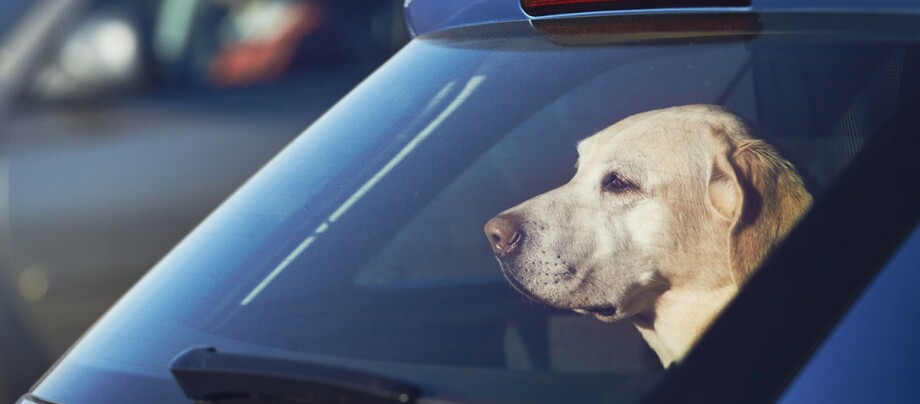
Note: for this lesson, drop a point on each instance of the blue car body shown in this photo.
(353, 248)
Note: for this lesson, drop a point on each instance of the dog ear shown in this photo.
(762, 196)
(725, 195)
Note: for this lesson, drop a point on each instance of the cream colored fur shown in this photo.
(706, 203)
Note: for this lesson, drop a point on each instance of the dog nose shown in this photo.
(505, 234)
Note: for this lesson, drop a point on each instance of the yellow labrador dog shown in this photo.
(667, 215)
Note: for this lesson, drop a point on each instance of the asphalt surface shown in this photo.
(99, 193)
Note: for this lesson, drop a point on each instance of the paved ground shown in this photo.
(99, 193)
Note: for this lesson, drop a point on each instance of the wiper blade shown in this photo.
(207, 375)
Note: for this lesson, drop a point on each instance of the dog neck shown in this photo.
(678, 318)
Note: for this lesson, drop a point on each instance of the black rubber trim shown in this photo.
(207, 375)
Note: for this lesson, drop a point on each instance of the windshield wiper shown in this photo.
(207, 375)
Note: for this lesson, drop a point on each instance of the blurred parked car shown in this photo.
(135, 119)
(353, 268)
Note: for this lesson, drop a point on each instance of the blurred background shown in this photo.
(125, 122)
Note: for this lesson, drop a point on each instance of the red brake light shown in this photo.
(547, 7)
(543, 3)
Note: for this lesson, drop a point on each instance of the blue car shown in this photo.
(353, 267)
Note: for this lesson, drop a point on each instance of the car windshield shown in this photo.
(362, 243)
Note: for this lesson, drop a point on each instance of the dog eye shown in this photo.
(614, 183)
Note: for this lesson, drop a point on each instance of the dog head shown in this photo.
(663, 199)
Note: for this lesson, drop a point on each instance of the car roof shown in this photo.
(427, 16)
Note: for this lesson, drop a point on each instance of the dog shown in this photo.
(669, 212)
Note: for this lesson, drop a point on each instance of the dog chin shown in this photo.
(507, 272)
(607, 314)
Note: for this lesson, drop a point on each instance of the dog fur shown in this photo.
(669, 212)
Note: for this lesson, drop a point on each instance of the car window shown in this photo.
(450, 225)
(362, 243)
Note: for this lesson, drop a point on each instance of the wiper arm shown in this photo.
(207, 375)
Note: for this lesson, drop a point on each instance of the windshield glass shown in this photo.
(362, 244)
